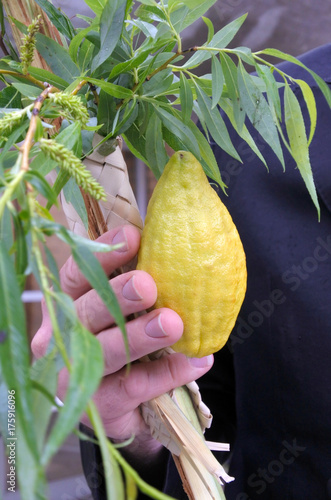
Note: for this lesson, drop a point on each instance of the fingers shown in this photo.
(75, 284)
(135, 292)
(148, 333)
(73, 281)
(120, 395)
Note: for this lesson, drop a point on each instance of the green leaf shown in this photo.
(266, 75)
(114, 479)
(57, 57)
(37, 180)
(30, 91)
(184, 17)
(76, 41)
(111, 25)
(258, 111)
(309, 98)
(106, 112)
(230, 73)
(215, 124)
(96, 5)
(93, 272)
(296, 132)
(85, 375)
(186, 98)
(43, 371)
(136, 142)
(177, 127)
(220, 40)
(287, 57)
(74, 196)
(159, 83)
(211, 29)
(127, 66)
(21, 252)
(14, 347)
(58, 18)
(244, 132)
(115, 90)
(47, 76)
(155, 151)
(217, 80)
(10, 98)
(206, 155)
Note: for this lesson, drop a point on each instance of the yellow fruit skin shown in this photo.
(191, 247)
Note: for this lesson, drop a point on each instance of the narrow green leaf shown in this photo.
(77, 40)
(179, 128)
(43, 371)
(215, 124)
(287, 57)
(10, 98)
(30, 91)
(244, 133)
(217, 80)
(127, 66)
(272, 91)
(136, 142)
(40, 183)
(309, 98)
(159, 83)
(115, 90)
(93, 272)
(106, 112)
(60, 20)
(258, 111)
(210, 26)
(220, 40)
(14, 346)
(57, 57)
(111, 25)
(86, 372)
(96, 5)
(113, 475)
(186, 98)
(230, 73)
(296, 132)
(21, 251)
(155, 150)
(184, 17)
(206, 155)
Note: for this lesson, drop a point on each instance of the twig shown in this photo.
(29, 139)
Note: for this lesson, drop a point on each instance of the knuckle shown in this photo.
(38, 346)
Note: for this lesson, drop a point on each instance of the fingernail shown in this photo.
(120, 238)
(129, 290)
(202, 362)
(154, 328)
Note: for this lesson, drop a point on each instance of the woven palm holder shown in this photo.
(182, 434)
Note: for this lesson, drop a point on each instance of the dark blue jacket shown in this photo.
(270, 387)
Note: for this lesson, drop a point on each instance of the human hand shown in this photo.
(119, 394)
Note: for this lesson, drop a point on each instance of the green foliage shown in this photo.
(126, 73)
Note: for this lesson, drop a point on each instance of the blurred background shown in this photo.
(293, 27)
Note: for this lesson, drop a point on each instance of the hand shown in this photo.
(119, 395)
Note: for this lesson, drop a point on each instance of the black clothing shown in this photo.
(269, 389)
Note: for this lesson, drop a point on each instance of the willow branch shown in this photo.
(29, 139)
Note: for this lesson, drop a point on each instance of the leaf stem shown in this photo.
(20, 75)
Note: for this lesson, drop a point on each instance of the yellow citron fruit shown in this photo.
(192, 249)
